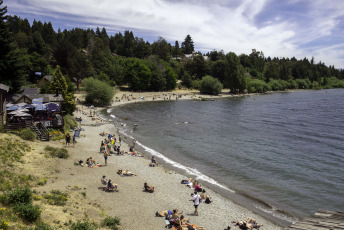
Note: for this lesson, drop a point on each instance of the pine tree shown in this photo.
(59, 83)
(187, 45)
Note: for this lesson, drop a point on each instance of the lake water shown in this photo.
(279, 154)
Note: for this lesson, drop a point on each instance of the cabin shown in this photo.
(44, 80)
(29, 94)
(3, 92)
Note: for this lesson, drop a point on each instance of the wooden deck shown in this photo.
(321, 220)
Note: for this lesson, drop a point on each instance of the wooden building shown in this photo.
(3, 91)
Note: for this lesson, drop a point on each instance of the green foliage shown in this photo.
(42, 181)
(28, 212)
(42, 226)
(57, 152)
(12, 150)
(276, 85)
(98, 93)
(85, 225)
(3, 225)
(111, 222)
(303, 83)
(28, 134)
(59, 83)
(69, 122)
(18, 195)
(257, 86)
(210, 85)
(196, 84)
(57, 197)
(334, 82)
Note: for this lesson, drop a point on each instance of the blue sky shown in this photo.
(279, 28)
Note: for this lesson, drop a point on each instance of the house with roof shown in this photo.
(3, 92)
(44, 80)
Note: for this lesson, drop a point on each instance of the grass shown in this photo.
(56, 152)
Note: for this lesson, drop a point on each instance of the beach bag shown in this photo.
(207, 201)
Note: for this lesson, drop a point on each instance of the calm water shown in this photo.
(280, 154)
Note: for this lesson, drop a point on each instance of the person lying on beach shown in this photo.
(102, 133)
(148, 188)
(204, 197)
(152, 164)
(163, 213)
(104, 180)
(125, 173)
(187, 182)
(111, 187)
(248, 223)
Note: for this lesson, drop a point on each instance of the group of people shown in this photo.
(68, 139)
(247, 224)
(109, 185)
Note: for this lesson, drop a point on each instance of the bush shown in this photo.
(28, 134)
(57, 152)
(69, 122)
(3, 225)
(210, 85)
(56, 197)
(28, 212)
(83, 226)
(257, 86)
(303, 83)
(111, 222)
(18, 195)
(98, 93)
(195, 84)
(42, 226)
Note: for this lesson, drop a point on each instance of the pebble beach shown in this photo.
(135, 207)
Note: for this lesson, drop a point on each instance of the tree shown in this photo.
(187, 45)
(98, 93)
(59, 83)
(210, 85)
(234, 77)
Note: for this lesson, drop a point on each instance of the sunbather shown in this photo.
(248, 223)
(163, 213)
(125, 173)
(205, 198)
(104, 180)
(148, 188)
(111, 187)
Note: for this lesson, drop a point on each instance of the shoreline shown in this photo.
(232, 212)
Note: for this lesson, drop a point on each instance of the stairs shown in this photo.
(41, 131)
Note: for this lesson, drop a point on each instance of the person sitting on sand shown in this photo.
(181, 222)
(148, 188)
(249, 223)
(111, 186)
(205, 198)
(90, 162)
(154, 161)
(176, 214)
(104, 180)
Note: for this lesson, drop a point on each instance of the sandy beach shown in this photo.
(135, 207)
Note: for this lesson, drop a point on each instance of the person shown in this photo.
(106, 157)
(67, 139)
(175, 214)
(104, 180)
(196, 199)
(134, 142)
(74, 140)
(163, 213)
(111, 186)
(125, 173)
(119, 150)
(120, 140)
(101, 147)
(154, 161)
(205, 198)
(148, 188)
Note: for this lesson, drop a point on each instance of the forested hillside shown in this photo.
(31, 51)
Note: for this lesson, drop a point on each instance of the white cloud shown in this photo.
(217, 24)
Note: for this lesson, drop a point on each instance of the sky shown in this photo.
(278, 28)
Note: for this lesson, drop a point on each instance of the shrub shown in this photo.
(28, 212)
(195, 84)
(42, 226)
(57, 152)
(18, 196)
(98, 93)
(111, 222)
(303, 83)
(28, 134)
(210, 85)
(3, 225)
(69, 122)
(57, 197)
(257, 86)
(85, 225)
(42, 181)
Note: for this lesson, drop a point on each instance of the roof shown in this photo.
(48, 77)
(4, 87)
(27, 91)
(323, 219)
(46, 97)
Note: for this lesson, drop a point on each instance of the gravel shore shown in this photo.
(135, 207)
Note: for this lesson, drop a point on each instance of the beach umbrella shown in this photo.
(9, 105)
(41, 107)
(37, 101)
(21, 104)
(22, 114)
(29, 106)
(52, 107)
(13, 107)
(19, 111)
